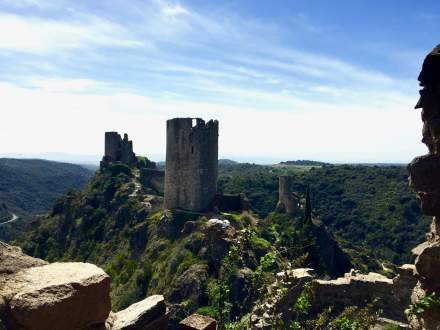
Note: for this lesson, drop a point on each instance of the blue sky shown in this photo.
(324, 80)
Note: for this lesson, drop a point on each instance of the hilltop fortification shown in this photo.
(191, 163)
(118, 150)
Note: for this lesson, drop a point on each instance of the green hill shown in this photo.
(31, 186)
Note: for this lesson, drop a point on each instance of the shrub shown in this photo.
(423, 304)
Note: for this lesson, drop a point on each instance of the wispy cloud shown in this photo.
(37, 35)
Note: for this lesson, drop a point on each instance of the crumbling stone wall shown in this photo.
(191, 164)
(288, 201)
(118, 150)
(425, 180)
(356, 289)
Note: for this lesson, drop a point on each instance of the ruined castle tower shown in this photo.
(287, 199)
(118, 150)
(191, 164)
(425, 180)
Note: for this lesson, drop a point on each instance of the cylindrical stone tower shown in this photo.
(191, 164)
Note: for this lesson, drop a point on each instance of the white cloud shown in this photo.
(37, 35)
(64, 85)
(28, 3)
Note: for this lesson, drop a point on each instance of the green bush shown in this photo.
(423, 304)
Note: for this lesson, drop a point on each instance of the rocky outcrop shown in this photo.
(190, 285)
(335, 261)
(36, 295)
(425, 180)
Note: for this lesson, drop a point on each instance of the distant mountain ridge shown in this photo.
(304, 162)
(29, 186)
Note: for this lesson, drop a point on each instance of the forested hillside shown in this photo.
(368, 207)
(32, 185)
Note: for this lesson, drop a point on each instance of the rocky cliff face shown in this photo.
(425, 180)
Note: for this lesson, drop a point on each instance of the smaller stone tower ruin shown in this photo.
(287, 201)
(191, 164)
(118, 150)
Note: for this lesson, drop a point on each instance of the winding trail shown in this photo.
(14, 217)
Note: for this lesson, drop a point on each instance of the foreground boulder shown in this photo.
(69, 295)
(148, 314)
(35, 295)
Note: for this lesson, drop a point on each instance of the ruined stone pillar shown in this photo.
(287, 200)
(425, 180)
(191, 164)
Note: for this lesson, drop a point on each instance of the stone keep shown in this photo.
(191, 164)
(118, 149)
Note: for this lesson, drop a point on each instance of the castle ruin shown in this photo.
(118, 150)
(287, 200)
(191, 164)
